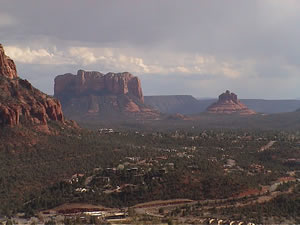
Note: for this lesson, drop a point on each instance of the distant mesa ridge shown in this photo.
(172, 104)
(21, 102)
(187, 104)
(91, 93)
(228, 103)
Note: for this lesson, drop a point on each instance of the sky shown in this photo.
(195, 47)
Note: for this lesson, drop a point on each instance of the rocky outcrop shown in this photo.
(111, 95)
(228, 103)
(20, 102)
(7, 66)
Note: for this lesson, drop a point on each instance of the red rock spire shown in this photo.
(7, 65)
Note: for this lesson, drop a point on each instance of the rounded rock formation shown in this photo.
(228, 103)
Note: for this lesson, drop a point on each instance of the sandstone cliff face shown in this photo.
(22, 103)
(7, 66)
(92, 82)
(228, 103)
(91, 93)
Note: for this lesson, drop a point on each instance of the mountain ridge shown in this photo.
(21, 103)
(266, 106)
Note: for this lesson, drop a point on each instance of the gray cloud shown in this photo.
(251, 42)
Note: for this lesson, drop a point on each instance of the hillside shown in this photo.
(211, 166)
(34, 137)
(46, 160)
(21, 103)
(272, 106)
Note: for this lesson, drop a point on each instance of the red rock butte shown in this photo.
(91, 93)
(21, 102)
(228, 103)
(93, 82)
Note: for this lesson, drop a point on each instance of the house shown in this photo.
(211, 221)
(292, 162)
(133, 170)
(116, 216)
(106, 131)
(76, 177)
(213, 159)
(162, 157)
(133, 159)
(95, 213)
(97, 169)
(102, 180)
(170, 165)
(256, 168)
(230, 163)
(193, 167)
(110, 170)
(163, 170)
(81, 190)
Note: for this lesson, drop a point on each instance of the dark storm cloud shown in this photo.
(223, 27)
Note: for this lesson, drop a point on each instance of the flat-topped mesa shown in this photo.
(91, 82)
(93, 95)
(228, 103)
(7, 65)
(20, 102)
